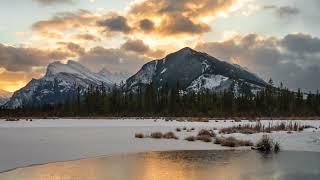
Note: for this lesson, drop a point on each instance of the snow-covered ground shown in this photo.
(25, 143)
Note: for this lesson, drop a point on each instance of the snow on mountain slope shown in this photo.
(144, 76)
(195, 71)
(75, 68)
(209, 82)
(60, 83)
(4, 96)
(116, 77)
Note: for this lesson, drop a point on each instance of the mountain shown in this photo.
(60, 82)
(4, 96)
(195, 71)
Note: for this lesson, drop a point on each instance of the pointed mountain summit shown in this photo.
(194, 71)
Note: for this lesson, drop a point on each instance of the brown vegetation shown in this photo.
(232, 142)
(204, 132)
(13, 119)
(139, 135)
(258, 127)
(169, 135)
(267, 144)
(191, 138)
(204, 138)
(158, 135)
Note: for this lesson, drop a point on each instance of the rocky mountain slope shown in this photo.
(195, 71)
(61, 82)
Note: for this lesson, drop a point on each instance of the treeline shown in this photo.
(150, 102)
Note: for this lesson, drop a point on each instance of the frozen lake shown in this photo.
(25, 143)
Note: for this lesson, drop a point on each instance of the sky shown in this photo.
(278, 39)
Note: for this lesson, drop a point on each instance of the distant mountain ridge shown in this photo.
(61, 82)
(195, 71)
(192, 70)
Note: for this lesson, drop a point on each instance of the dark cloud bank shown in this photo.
(293, 60)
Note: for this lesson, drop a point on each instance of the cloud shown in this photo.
(86, 37)
(146, 25)
(135, 46)
(174, 17)
(114, 59)
(52, 2)
(188, 8)
(115, 24)
(279, 58)
(157, 17)
(283, 11)
(161, 20)
(65, 21)
(24, 59)
(139, 47)
(73, 48)
(286, 11)
(182, 25)
(301, 43)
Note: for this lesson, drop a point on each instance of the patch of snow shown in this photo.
(206, 81)
(146, 74)
(205, 66)
(163, 71)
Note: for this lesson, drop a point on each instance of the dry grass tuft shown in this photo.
(232, 142)
(13, 119)
(156, 135)
(276, 147)
(266, 144)
(170, 135)
(204, 132)
(204, 138)
(191, 138)
(139, 135)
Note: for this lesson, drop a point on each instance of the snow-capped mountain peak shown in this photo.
(72, 67)
(194, 71)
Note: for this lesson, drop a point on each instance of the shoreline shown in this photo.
(188, 119)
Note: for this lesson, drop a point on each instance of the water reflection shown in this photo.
(180, 165)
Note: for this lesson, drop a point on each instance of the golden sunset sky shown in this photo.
(276, 39)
